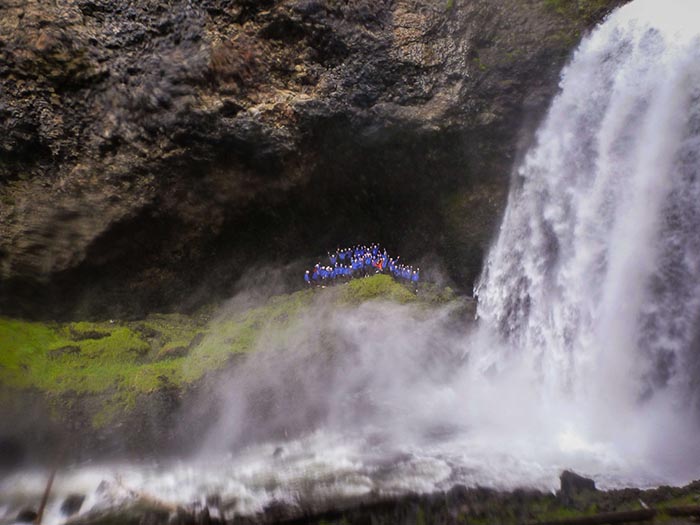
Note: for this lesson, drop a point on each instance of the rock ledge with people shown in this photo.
(360, 261)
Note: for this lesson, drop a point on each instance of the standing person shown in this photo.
(378, 264)
(307, 278)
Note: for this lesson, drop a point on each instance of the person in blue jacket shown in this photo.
(307, 277)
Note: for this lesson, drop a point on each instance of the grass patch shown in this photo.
(376, 287)
(119, 361)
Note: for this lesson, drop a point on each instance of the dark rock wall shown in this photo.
(152, 151)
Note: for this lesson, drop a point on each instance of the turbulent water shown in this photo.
(586, 353)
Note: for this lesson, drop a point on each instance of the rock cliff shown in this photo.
(153, 151)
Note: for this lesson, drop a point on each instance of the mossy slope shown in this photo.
(122, 360)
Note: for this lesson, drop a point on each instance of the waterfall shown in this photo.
(586, 356)
(595, 274)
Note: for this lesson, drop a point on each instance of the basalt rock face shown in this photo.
(151, 152)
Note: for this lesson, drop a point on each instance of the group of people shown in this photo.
(360, 261)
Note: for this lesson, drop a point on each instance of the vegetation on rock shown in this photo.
(121, 360)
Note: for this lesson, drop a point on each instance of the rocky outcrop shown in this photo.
(573, 486)
(150, 151)
(456, 505)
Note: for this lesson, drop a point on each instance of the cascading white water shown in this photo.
(587, 354)
(596, 271)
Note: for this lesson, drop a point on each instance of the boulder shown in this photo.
(26, 516)
(573, 486)
(72, 504)
(12, 453)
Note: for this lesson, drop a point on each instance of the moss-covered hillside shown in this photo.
(118, 361)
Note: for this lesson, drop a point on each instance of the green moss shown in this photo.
(420, 517)
(562, 513)
(376, 287)
(586, 505)
(686, 500)
(578, 10)
(116, 362)
(62, 359)
(436, 295)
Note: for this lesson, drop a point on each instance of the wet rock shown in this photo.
(12, 453)
(84, 335)
(183, 517)
(139, 512)
(26, 516)
(204, 517)
(573, 486)
(456, 498)
(213, 501)
(154, 517)
(72, 504)
(150, 149)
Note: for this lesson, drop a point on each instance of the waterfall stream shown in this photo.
(596, 271)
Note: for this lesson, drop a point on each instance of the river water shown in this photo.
(585, 355)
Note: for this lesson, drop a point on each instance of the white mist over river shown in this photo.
(586, 354)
